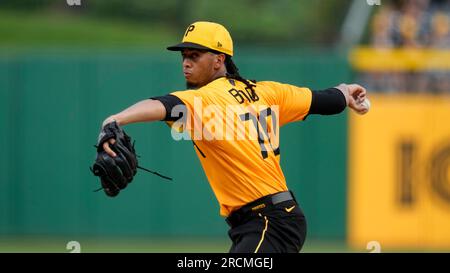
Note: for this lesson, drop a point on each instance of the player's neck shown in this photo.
(219, 74)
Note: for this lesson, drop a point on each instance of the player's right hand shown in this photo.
(107, 149)
(357, 94)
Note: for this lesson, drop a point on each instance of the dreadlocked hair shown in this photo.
(233, 73)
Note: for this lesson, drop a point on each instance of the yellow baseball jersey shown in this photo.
(237, 135)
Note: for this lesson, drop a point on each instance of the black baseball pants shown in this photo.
(268, 226)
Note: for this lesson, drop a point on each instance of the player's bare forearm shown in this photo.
(143, 111)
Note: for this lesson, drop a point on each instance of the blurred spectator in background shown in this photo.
(440, 39)
(401, 24)
(411, 24)
(382, 24)
(411, 28)
(440, 26)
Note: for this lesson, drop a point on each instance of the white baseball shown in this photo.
(366, 106)
(366, 103)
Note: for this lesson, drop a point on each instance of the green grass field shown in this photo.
(28, 244)
(141, 245)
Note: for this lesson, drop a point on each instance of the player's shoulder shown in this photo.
(270, 84)
(187, 96)
(179, 93)
(279, 86)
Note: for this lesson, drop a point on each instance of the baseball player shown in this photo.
(242, 167)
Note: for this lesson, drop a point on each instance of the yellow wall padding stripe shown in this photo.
(264, 232)
(401, 59)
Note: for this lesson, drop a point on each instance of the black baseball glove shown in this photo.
(115, 172)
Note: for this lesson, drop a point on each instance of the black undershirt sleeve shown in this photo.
(327, 102)
(169, 102)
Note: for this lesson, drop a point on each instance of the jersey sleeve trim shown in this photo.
(170, 101)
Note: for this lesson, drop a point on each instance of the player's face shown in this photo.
(199, 67)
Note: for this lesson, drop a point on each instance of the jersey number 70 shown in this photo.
(261, 125)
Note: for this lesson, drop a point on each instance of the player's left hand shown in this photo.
(115, 171)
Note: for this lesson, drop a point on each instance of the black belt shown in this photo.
(244, 212)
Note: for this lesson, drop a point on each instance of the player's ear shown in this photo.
(219, 61)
